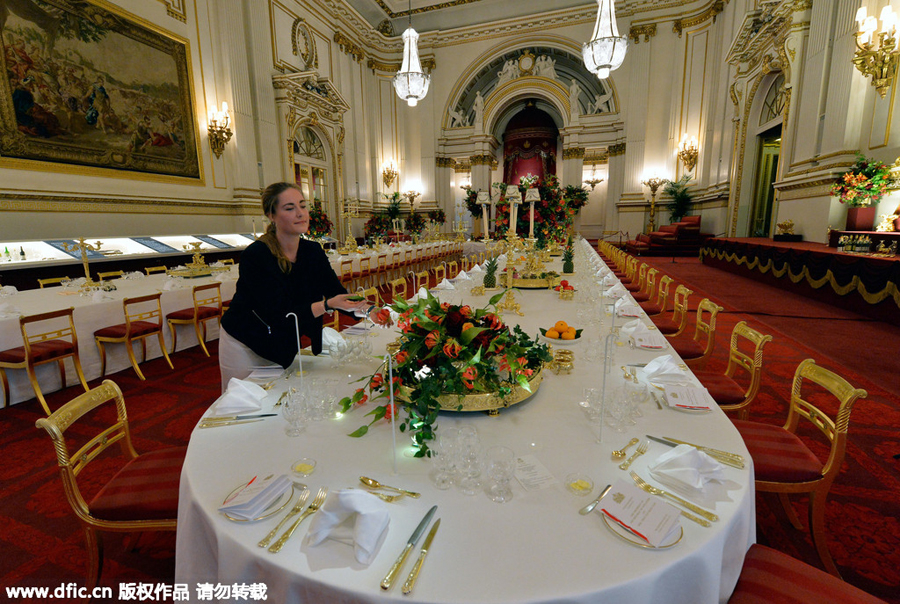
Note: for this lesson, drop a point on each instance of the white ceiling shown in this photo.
(435, 15)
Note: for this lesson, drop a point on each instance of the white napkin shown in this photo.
(240, 396)
(475, 270)
(626, 308)
(100, 296)
(254, 498)
(420, 295)
(8, 290)
(329, 337)
(133, 275)
(688, 467)
(664, 369)
(171, 284)
(354, 517)
(635, 326)
(462, 276)
(444, 284)
(616, 291)
(8, 311)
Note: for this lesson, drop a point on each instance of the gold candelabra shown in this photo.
(84, 248)
(688, 152)
(218, 130)
(879, 62)
(411, 198)
(349, 210)
(198, 261)
(653, 183)
(593, 180)
(388, 175)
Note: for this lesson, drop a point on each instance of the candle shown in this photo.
(531, 222)
(484, 218)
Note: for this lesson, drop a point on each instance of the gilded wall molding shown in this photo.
(616, 149)
(27, 202)
(303, 44)
(349, 46)
(462, 167)
(573, 153)
(711, 12)
(647, 30)
(175, 9)
(596, 158)
(444, 162)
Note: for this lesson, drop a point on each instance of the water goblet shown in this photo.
(469, 460)
(444, 458)
(501, 463)
(295, 411)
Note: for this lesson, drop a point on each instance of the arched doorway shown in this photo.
(311, 165)
(768, 144)
(530, 141)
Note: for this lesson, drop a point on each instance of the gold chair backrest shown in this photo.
(208, 295)
(110, 274)
(155, 269)
(642, 275)
(680, 306)
(398, 288)
(53, 333)
(136, 309)
(452, 268)
(381, 262)
(834, 430)
(650, 282)
(365, 264)
(662, 292)
(372, 296)
(421, 280)
(705, 324)
(440, 272)
(51, 281)
(346, 269)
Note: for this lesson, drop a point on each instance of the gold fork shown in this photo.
(642, 448)
(655, 491)
(304, 495)
(312, 509)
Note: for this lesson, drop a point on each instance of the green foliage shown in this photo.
(393, 209)
(377, 226)
(319, 223)
(576, 197)
(415, 223)
(681, 197)
(438, 216)
(864, 184)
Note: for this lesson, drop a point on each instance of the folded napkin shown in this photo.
(616, 291)
(444, 284)
(240, 396)
(687, 467)
(171, 284)
(462, 276)
(419, 295)
(100, 296)
(8, 290)
(329, 337)
(664, 369)
(354, 517)
(251, 500)
(626, 308)
(635, 326)
(8, 311)
(476, 270)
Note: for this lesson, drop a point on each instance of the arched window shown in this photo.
(311, 165)
(773, 106)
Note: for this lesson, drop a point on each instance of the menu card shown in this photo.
(690, 398)
(652, 339)
(532, 474)
(643, 515)
(254, 497)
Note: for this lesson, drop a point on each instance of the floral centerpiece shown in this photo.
(415, 223)
(448, 350)
(437, 216)
(864, 184)
(378, 225)
(319, 224)
(553, 215)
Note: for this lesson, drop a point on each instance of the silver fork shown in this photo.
(655, 491)
(304, 495)
(312, 509)
(642, 448)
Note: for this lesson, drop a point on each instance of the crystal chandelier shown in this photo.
(606, 50)
(411, 83)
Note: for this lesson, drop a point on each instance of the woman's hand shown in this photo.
(344, 302)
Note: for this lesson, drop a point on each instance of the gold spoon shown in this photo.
(620, 454)
(369, 482)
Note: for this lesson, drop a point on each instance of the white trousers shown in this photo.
(236, 360)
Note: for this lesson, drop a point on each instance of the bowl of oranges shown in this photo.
(561, 333)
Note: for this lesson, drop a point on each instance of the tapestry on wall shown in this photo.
(85, 85)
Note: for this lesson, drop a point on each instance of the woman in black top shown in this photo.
(279, 274)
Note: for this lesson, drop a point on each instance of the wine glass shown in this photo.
(295, 411)
(443, 458)
(470, 460)
(500, 467)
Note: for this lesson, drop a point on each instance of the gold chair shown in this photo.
(142, 496)
(746, 352)
(636, 285)
(54, 344)
(694, 351)
(784, 464)
(207, 307)
(372, 296)
(399, 288)
(380, 274)
(143, 318)
(421, 280)
(649, 289)
(346, 275)
(361, 277)
(51, 281)
(452, 269)
(155, 269)
(440, 273)
(110, 275)
(675, 326)
(662, 298)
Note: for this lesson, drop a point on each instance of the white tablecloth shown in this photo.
(91, 315)
(535, 548)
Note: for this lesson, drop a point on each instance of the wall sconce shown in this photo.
(389, 174)
(688, 152)
(411, 198)
(217, 123)
(653, 183)
(880, 62)
(593, 180)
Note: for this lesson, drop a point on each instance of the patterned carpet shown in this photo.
(42, 544)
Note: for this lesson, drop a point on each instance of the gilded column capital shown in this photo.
(444, 162)
(646, 30)
(573, 153)
(617, 149)
(349, 46)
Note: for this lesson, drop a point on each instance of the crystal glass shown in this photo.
(295, 411)
(501, 463)
(470, 460)
(618, 411)
(444, 458)
(636, 393)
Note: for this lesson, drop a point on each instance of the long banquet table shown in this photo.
(93, 312)
(535, 548)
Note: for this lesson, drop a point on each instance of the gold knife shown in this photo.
(414, 573)
(398, 565)
(716, 452)
(228, 423)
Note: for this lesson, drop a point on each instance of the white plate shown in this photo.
(620, 532)
(558, 341)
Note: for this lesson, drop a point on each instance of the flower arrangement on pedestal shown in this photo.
(319, 223)
(448, 350)
(437, 216)
(378, 225)
(576, 197)
(864, 184)
(553, 215)
(415, 223)
(471, 202)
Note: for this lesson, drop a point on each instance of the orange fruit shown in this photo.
(552, 334)
(571, 330)
(568, 335)
(561, 326)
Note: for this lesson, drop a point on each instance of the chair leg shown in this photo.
(789, 510)
(134, 362)
(201, 338)
(174, 336)
(79, 371)
(62, 373)
(102, 358)
(5, 387)
(162, 346)
(94, 543)
(817, 529)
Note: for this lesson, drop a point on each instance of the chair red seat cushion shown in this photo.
(687, 347)
(665, 325)
(138, 328)
(187, 314)
(40, 351)
(722, 388)
(145, 489)
(639, 297)
(778, 455)
(651, 308)
(770, 576)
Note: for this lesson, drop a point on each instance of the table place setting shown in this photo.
(688, 398)
(643, 336)
(240, 397)
(693, 473)
(640, 519)
(625, 308)
(250, 501)
(725, 457)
